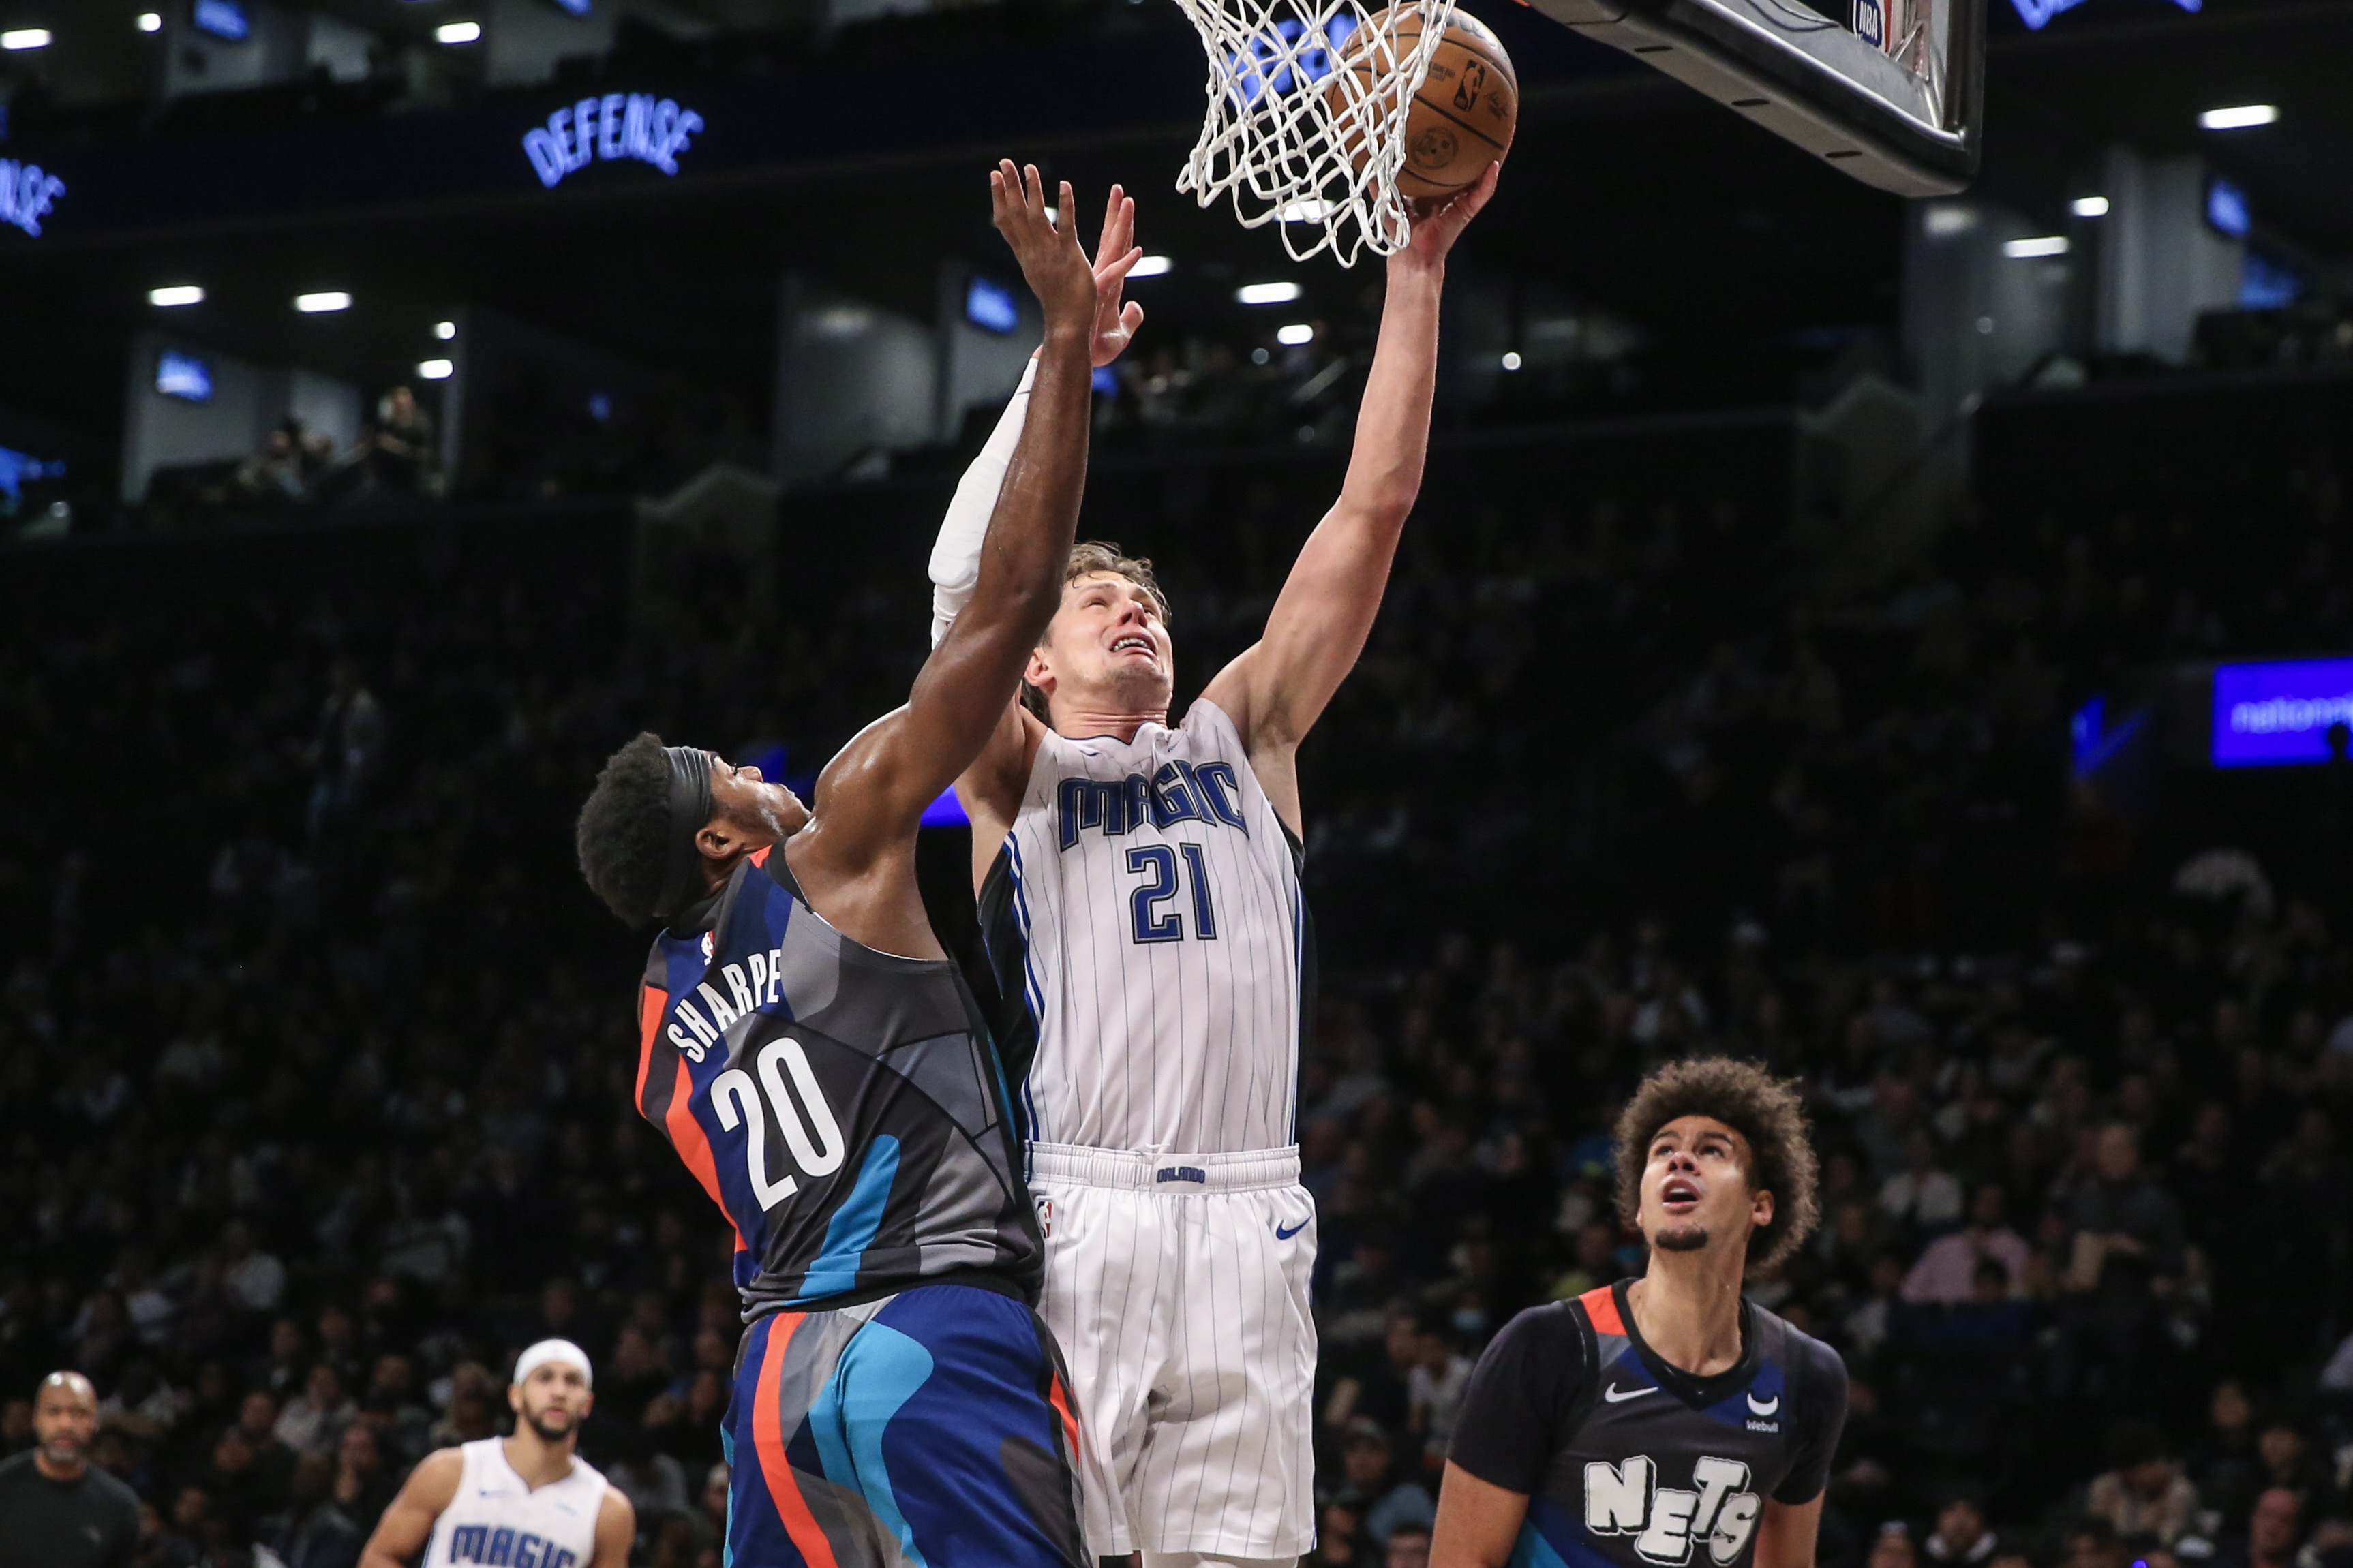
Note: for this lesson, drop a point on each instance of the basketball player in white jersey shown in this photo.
(524, 1501)
(1140, 899)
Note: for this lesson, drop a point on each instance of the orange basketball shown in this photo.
(1462, 118)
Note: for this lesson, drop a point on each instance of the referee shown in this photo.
(57, 1509)
(1666, 1421)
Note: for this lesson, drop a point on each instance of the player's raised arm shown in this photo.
(870, 797)
(1276, 690)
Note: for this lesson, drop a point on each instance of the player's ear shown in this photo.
(514, 1397)
(1760, 1207)
(1038, 672)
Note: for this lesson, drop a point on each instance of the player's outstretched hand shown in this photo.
(1057, 270)
(1438, 224)
(1115, 323)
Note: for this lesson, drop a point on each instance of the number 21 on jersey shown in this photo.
(1156, 908)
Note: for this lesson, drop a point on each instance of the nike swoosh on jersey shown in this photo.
(1282, 1234)
(1617, 1395)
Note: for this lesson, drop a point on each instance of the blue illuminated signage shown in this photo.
(2272, 713)
(222, 19)
(183, 376)
(2226, 208)
(990, 307)
(18, 469)
(2037, 13)
(27, 192)
(617, 126)
(573, 7)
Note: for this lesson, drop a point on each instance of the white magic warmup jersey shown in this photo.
(1151, 945)
(497, 1519)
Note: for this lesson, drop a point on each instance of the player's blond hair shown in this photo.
(1088, 557)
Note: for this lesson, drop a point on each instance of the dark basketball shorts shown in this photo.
(932, 1427)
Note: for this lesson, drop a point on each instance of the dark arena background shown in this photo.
(1905, 642)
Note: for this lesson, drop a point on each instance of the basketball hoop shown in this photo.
(1306, 122)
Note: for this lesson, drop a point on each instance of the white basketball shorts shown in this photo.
(1176, 1286)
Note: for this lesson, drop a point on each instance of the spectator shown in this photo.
(1408, 1547)
(2273, 1529)
(1370, 1489)
(1961, 1538)
(1923, 1194)
(314, 1420)
(1892, 1547)
(2223, 1463)
(363, 1486)
(2146, 1494)
(1946, 1270)
(312, 1533)
(1435, 1383)
(255, 1280)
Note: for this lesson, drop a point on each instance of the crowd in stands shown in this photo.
(316, 1058)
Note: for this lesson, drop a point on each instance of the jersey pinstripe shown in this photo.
(1151, 943)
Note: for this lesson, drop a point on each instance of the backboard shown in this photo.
(1886, 90)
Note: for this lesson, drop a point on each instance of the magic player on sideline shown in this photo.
(1140, 900)
(1668, 1420)
(525, 1498)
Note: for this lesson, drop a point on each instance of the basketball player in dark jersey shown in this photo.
(813, 1054)
(1666, 1420)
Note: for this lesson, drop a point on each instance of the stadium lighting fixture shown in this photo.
(436, 369)
(151, 22)
(2089, 206)
(1267, 293)
(25, 38)
(445, 331)
(2041, 245)
(322, 302)
(1293, 336)
(177, 294)
(1149, 266)
(2239, 117)
(1512, 360)
(457, 33)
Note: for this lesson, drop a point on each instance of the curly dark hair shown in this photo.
(1764, 1109)
(623, 830)
(1088, 557)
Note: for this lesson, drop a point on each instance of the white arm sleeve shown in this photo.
(956, 555)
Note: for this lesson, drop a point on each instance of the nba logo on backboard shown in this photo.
(1870, 23)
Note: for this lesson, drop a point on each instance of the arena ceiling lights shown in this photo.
(25, 38)
(1149, 266)
(1267, 293)
(2089, 206)
(2240, 117)
(322, 302)
(457, 33)
(177, 294)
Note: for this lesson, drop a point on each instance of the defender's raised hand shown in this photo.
(1115, 322)
(1057, 270)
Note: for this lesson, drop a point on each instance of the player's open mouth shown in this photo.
(1132, 644)
(1680, 1195)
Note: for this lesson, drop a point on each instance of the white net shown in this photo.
(1308, 104)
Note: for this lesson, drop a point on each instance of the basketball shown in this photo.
(1462, 117)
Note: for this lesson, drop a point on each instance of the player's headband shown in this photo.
(689, 808)
(563, 1350)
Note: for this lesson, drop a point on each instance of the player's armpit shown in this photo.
(401, 1534)
(1478, 1522)
(1785, 1535)
(991, 789)
(616, 1531)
